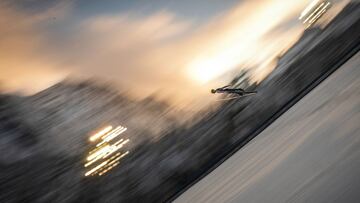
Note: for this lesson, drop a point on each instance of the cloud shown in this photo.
(128, 50)
(24, 66)
(146, 53)
(240, 40)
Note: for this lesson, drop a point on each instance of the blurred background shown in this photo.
(109, 101)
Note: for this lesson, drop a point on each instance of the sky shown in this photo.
(178, 49)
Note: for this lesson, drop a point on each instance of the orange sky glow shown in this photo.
(155, 52)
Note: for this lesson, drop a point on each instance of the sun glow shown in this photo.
(242, 42)
(205, 69)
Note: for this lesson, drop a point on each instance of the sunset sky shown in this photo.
(181, 48)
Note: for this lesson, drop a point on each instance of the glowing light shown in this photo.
(114, 134)
(100, 133)
(205, 69)
(111, 135)
(106, 150)
(319, 14)
(101, 151)
(114, 149)
(241, 42)
(112, 164)
(314, 11)
(308, 9)
(95, 168)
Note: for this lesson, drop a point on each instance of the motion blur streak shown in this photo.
(241, 41)
(314, 11)
(113, 164)
(96, 168)
(308, 9)
(116, 130)
(113, 134)
(319, 14)
(309, 154)
(105, 150)
(101, 133)
(115, 148)
(102, 150)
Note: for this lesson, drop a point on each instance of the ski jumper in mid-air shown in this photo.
(226, 90)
